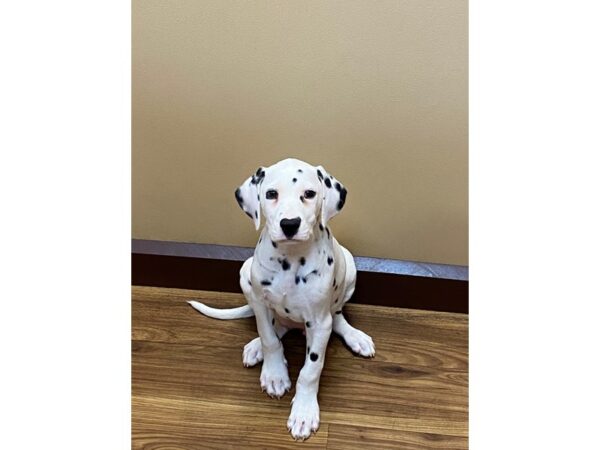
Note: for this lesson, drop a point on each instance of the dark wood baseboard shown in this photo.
(406, 284)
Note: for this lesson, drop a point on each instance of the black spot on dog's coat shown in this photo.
(300, 170)
(285, 265)
(286, 310)
(328, 234)
(304, 280)
(238, 197)
(302, 199)
(329, 260)
(314, 357)
(321, 226)
(342, 201)
(256, 214)
(273, 321)
(248, 214)
(319, 174)
(302, 261)
(308, 350)
(294, 180)
(327, 182)
(336, 300)
(334, 281)
(265, 283)
(274, 244)
(250, 282)
(308, 324)
(297, 279)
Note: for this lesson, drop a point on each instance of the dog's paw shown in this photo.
(304, 417)
(274, 378)
(360, 343)
(252, 353)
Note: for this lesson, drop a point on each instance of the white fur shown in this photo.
(312, 292)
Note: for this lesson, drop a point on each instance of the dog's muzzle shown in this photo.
(290, 226)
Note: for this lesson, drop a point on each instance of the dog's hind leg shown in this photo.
(253, 354)
(357, 340)
(360, 342)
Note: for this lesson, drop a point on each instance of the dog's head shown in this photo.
(293, 196)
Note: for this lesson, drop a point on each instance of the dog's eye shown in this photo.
(271, 194)
(309, 194)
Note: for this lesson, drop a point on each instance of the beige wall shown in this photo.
(376, 91)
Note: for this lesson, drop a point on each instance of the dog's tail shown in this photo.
(223, 314)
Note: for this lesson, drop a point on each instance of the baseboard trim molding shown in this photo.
(386, 282)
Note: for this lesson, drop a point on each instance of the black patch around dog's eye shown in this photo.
(286, 310)
(310, 193)
(274, 244)
(265, 282)
(342, 201)
(271, 194)
(321, 226)
(338, 312)
(297, 279)
(285, 265)
(294, 180)
(302, 261)
(307, 324)
(327, 182)
(329, 260)
(314, 357)
(319, 174)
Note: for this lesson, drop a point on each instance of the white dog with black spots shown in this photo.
(299, 277)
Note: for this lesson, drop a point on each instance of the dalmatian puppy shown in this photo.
(299, 277)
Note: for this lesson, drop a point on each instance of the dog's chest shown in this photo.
(296, 293)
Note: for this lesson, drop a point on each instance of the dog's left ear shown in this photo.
(247, 196)
(334, 195)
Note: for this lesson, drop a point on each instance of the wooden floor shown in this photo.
(190, 390)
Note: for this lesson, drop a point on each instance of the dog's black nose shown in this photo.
(290, 226)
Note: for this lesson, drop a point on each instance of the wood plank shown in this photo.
(168, 423)
(189, 366)
(349, 437)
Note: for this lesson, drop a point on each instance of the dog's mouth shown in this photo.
(282, 239)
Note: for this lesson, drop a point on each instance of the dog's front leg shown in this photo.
(274, 378)
(304, 417)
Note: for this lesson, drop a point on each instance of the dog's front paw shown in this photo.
(252, 353)
(360, 343)
(274, 378)
(304, 418)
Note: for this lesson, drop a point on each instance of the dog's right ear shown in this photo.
(247, 196)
